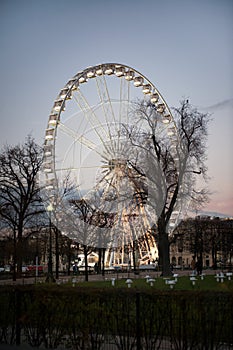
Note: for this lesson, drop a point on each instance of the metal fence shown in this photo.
(115, 319)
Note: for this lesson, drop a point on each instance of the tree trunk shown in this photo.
(19, 248)
(164, 254)
(164, 249)
(56, 253)
(103, 260)
(134, 258)
(99, 261)
(86, 263)
(14, 257)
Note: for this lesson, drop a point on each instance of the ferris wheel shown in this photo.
(87, 143)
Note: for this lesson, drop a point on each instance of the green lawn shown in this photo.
(183, 283)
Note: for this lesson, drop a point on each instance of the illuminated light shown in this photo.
(49, 134)
(138, 81)
(171, 283)
(129, 75)
(58, 104)
(49, 184)
(146, 88)
(49, 187)
(171, 131)
(91, 74)
(48, 167)
(151, 281)
(193, 280)
(119, 71)
(129, 282)
(82, 79)
(160, 108)
(48, 151)
(48, 170)
(167, 119)
(63, 93)
(109, 70)
(99, 71)
(175, 212)
(71, 84)
(69, 96)
(53, 119)
(75, 86)
(154, 98)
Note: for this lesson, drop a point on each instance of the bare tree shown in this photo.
(85, 213)
(19, 192)
(89, 234)
(169, 180)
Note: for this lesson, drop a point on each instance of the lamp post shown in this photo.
(50, 277)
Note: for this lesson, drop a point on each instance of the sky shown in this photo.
(184, 47)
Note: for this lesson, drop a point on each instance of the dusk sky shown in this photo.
(184, 47)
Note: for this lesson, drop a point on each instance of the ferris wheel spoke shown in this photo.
(124, 105)
(105, 99)
(106, 104)
(90, 115)
(144, 219)
(81, 139)
(125, 99)
(134, 231)
(77, 168)
(109, 184)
